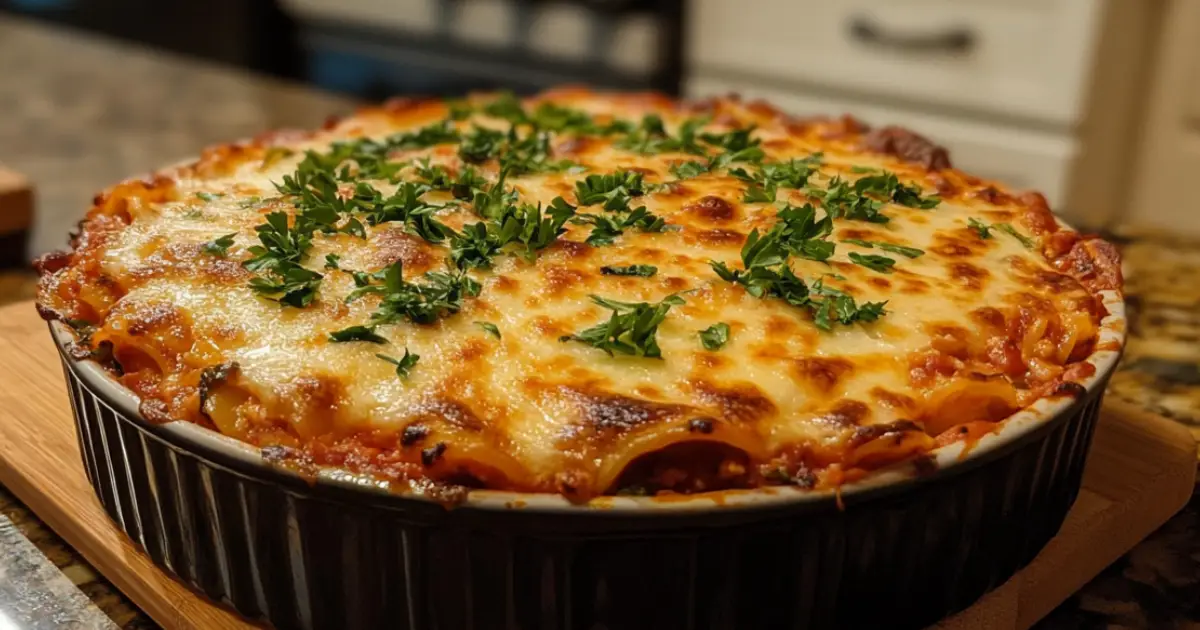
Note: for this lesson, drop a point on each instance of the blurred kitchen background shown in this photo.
(1093, 102)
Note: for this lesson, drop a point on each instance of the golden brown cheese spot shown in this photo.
(894, 400)
(573, 249)
(993, 196)
(711, 360)
(560, 280)
(713, 210)
(154, 318)
(963, 243)
(604, 418)
(968, 275)
(845, 413)
(449, 414)
(506, 284)
(394, 244)
(823, 374)
(714, 238)
(779, 326)
(675, 284)
(878, 282)
(742, 402)
(470, 350)
(988, 316)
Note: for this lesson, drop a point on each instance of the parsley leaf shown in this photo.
(219, 246)
(910, 252)
(404, 364)
(532, 155)
(768, 178)
(688, 170)
(886, 186)
(295, 286)
(651, 137)
(208, 196)
(440, 295)
(356, 333)
(882, 264)
(1007, 228)
(631, 328)
(281, 246)
(715, 336)
(736, 140)
(438, 177)
(803, 235)
(525, 224)
(983, 229)
(766, 273)
(481, 145)
(489, 328)
(840, 200)
(643, 271)
(403, 206)
(332, 261)
(615, 190)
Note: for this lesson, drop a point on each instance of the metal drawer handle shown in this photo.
(955, 40)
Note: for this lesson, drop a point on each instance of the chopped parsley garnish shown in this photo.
(531, 155)
(643, 271)
(688, 170)
(207, 196)
(882, 264)
(651, 137)
(282, 246)
(404, 364)
(766, 273)
(459, 109)
(1008, 229)
(295, 286)
(607, 227)
(614, 190)
(403, 206)
(984, 230)
(332, 261)
(631, 329)
(489, 328)
(525, 224)
(715, 336)
(884, 185)
(481, 145)
(765, 181)
(800, 232)
(910, 252)
(219, 246)
(841, 200)
(441, 294)
(357, 333)
(438, 177)
(736, 140)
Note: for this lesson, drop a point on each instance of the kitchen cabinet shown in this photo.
(1169, 156)
(1039, 94)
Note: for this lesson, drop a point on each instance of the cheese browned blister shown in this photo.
(978, 325)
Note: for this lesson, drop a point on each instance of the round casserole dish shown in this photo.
(902, 547)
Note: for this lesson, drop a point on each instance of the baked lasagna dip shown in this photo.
(584, 294)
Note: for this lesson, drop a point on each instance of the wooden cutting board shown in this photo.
(1141, 471)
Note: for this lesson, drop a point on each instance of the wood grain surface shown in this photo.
(1140, 472)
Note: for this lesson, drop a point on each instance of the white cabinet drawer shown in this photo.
(1022, 58)
(1019, 158)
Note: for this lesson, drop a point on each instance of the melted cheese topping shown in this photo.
(975, 328)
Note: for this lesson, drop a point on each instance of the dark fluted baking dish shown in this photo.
(901, 549)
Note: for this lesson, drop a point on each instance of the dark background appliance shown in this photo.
(351, 46)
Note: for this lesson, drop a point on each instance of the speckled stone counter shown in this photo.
(78, 113)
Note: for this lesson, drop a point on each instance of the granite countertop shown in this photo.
(78, 113)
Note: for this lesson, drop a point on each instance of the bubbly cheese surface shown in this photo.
(988, 305)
